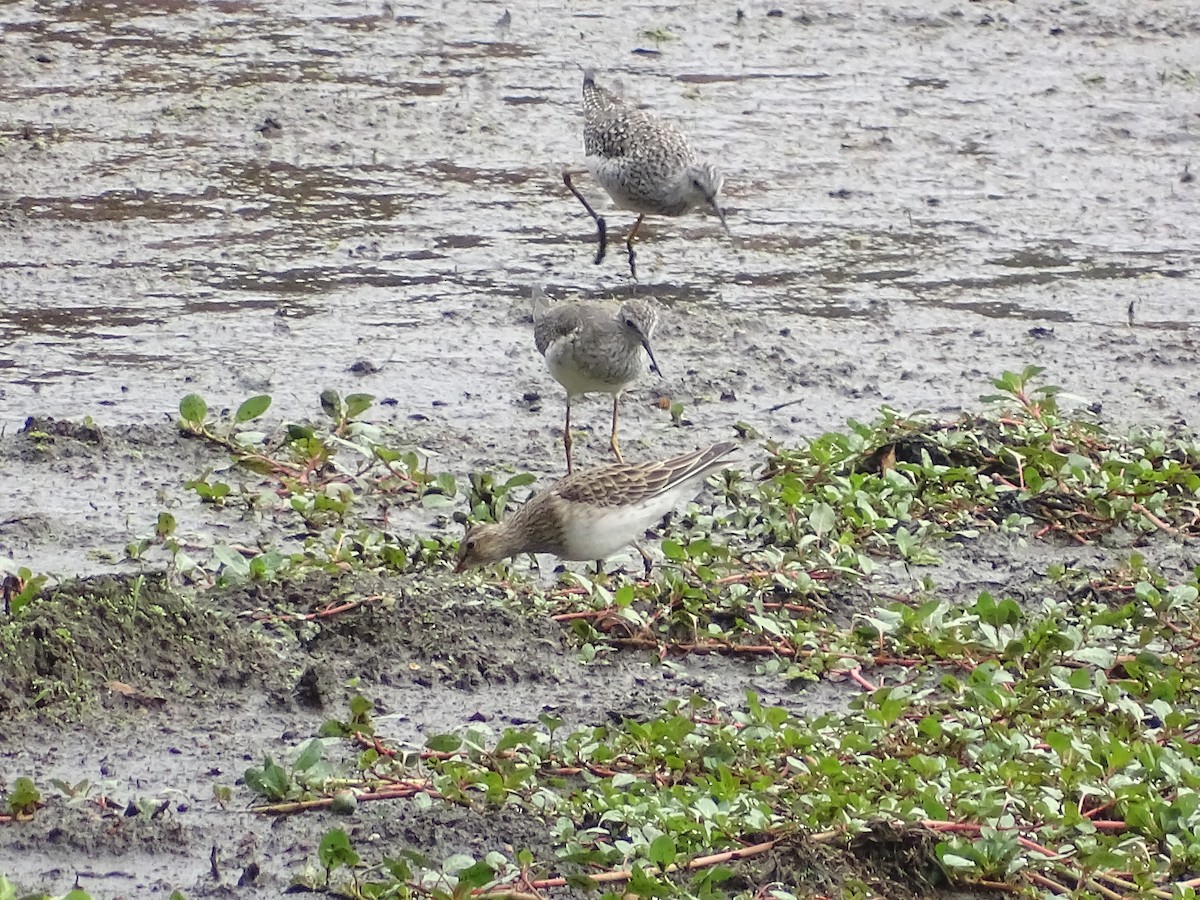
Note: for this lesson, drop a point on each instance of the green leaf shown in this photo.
(252, 408)
(310, 755)
(624, 596)
(673, 551)
(271, 781)
(360, 713)
(300, 432)
(444, 743)
(231, 559)
(335, 851)
(1100, 657)
(24, 797)
(954, 861)
(193, 409)
(165, 526)
(27, 594)
(331, 405)
(519, 481)
(662, 851)
(476, 875)
(822, 518)
(357, 404)
(457, 862)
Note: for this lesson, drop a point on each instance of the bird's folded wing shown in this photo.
(558, 322)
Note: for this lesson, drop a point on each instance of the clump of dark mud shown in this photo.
(87, 639)
(420, 630)
(885, 860)
(44, 439)
(49, 428)
(140, 636)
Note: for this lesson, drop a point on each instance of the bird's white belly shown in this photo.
(607, 529)
(577, 379)
(602, 536)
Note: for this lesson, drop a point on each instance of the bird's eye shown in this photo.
(696, 184)
(471, 544)
(630, 323)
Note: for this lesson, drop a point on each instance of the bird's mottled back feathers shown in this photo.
(592, 514)
(615, 129)
(622, 484)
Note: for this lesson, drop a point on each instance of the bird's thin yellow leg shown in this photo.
(601, 225)
(567, 437)
(616, 448)
(629, 246)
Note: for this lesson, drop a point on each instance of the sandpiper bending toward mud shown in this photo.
(590, 515)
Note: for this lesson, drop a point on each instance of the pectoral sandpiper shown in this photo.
(590, 515)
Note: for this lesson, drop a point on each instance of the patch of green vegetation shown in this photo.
(21, 800)
(1047, 746)
(1045, 742)
(817, 516)
(328, 481)
(18, 586)
(659, 36)
(759, 572)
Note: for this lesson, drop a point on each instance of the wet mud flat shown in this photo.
(234, 199)
(231, 200)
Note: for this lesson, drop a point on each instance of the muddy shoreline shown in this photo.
(235, 199)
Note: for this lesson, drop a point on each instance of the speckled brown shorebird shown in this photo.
(645, 164)
(590, 515)
(594, 348)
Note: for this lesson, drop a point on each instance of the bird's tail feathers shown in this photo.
(540, 301)
(704, 462)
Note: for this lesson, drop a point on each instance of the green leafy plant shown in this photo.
(308, 773)
(19, 586)
(23, 798)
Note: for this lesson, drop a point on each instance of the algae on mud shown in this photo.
(64, 651)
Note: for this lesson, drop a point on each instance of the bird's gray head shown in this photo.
(638, 319)
(702, 188)
(482, 544)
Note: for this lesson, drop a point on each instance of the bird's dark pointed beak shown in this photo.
(653, 362)
(712, 201)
